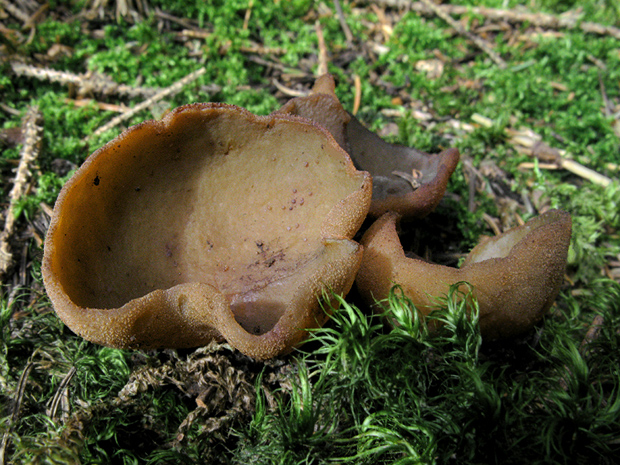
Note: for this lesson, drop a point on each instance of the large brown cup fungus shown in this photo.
(405, 180)
(210, 223)
(516, 276)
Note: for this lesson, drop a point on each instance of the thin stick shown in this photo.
(528, 165)
(29, 153)
(343, 24)
(173, 89)
(479, 42)
(14, 11)
(527, 141)
(275, 65)
(492, 222)
(584, 172)
(323, 60)
(87, 83)
(248, 15)
(534, 19)
(36, 16)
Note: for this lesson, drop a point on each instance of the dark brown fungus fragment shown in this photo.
(405, 180)
(516, 276)
(177, 262)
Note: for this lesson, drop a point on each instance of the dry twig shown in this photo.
(479, 42)
(168, 91)
(87, 83)
(36, 16)
(527, 141)
(15, 11)
(343, 24)
(30, 150)
(535, 19)
(323, 60)
(248, 15)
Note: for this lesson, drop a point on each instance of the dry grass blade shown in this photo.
(357, 100)
(61, 393)
(30, 150)
(287, 90)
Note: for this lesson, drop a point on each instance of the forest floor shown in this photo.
(530, 96)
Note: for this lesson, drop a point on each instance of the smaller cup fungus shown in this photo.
(405, 180)
(516, 276)
(211, 223)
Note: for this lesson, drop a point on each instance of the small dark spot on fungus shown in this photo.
(96, 181)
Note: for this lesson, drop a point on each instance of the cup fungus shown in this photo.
(210, 223)
(516, 276)
(405, 180)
